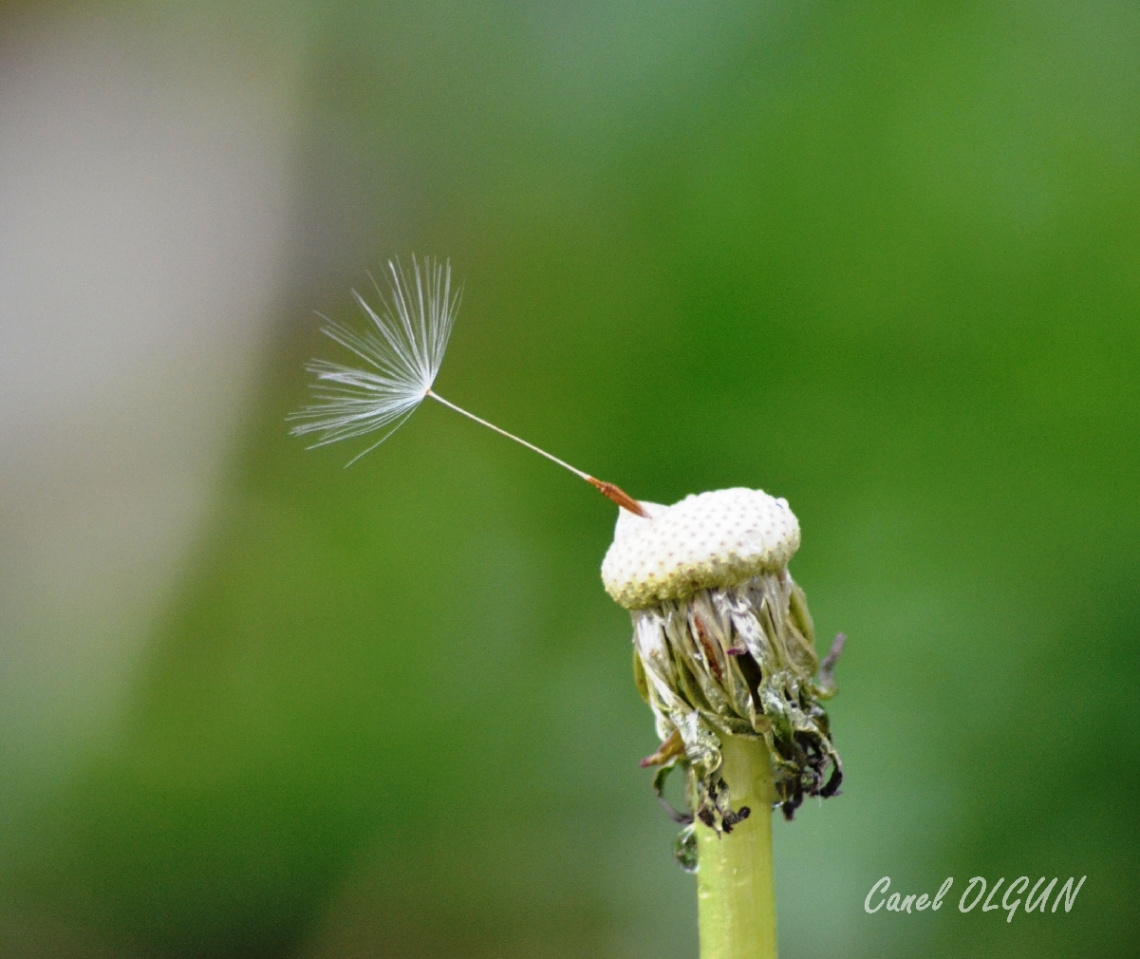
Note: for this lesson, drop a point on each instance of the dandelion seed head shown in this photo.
(725, 645)
(399, 351)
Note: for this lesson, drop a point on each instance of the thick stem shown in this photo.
(735, 894)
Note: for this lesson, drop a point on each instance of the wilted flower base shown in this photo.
(738, 660)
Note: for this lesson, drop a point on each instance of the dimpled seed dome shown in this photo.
(707, 540)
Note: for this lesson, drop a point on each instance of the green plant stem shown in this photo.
(735, 893)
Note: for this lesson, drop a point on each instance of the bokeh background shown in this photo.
(879, 258)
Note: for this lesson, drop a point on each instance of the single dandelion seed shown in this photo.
(402, 350)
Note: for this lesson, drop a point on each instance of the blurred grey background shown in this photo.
(878, 259)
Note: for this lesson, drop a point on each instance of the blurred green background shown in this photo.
(883, 260)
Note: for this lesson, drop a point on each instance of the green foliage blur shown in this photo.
(881, 259)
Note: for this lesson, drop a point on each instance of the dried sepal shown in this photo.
(740, 661)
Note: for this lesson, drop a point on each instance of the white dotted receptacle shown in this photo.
(706, 540)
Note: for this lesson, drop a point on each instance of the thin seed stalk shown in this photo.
(735, 894)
